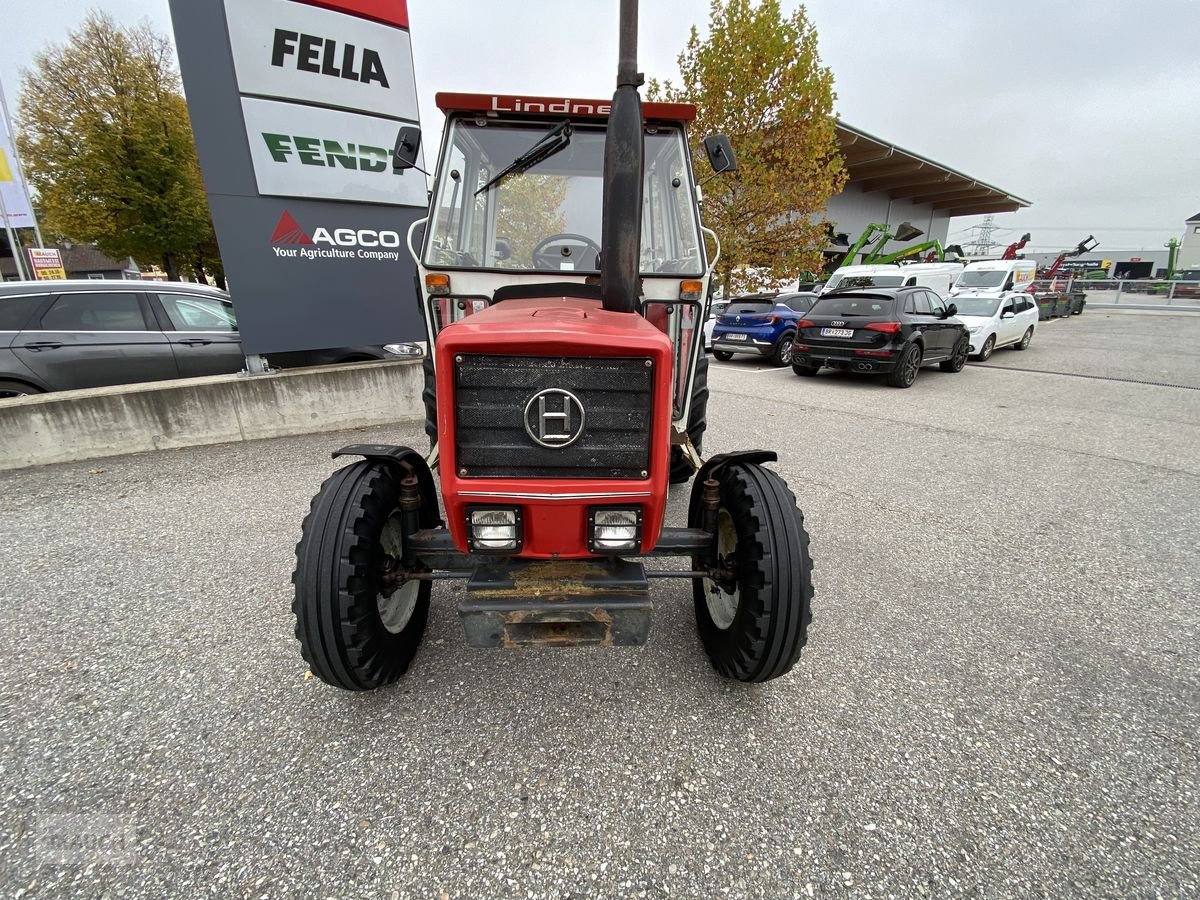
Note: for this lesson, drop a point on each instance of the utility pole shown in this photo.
(983, 243)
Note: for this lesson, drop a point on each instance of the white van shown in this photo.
(994, 277)
(938, 276)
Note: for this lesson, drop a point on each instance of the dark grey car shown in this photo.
(62, 335)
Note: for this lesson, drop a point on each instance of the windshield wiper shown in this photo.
(554, 140)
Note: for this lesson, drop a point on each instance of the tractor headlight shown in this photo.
(612, 530)
(494, 530)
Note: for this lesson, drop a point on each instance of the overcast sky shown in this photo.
(1088, 110)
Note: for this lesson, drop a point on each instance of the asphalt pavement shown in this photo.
(1000, 696)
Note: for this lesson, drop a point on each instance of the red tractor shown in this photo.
(563, 276)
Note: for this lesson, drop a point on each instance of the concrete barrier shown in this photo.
(75, 425)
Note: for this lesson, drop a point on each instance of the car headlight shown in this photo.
(405, 349)
(975, 329)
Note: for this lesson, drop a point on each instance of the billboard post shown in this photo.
(295, 105)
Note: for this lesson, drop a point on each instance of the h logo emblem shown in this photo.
(554, 418)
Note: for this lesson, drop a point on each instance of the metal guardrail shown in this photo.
(1141, 293)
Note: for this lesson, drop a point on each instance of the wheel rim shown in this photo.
(785, 351)
(396, 610)
(723, 604)
(12, 394)
(396, 605)
(960, 357)
(1027, 338)
(911, 365)
(987, 346)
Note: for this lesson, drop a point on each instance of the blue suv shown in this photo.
(762, 325)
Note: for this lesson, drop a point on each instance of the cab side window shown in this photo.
(101, 311)
(936, 306)
(1008, 307)
(921, 303)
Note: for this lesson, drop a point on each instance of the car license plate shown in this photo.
(736, 337)
(837, 332)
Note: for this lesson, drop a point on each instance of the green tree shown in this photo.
(108, 144)
(757, 77)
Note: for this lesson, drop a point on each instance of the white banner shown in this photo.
(307, 151)
(11, 187)
(297, 52)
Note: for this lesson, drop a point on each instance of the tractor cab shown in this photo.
(517, 210)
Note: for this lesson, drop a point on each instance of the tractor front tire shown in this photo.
(681, 469)
(354, 632)
(756, 630)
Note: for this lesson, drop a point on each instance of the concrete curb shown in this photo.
(164, 415)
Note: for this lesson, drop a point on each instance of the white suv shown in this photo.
(1006, 321)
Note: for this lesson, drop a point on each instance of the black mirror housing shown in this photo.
(951, 310)
(720, 153)
(408, 145)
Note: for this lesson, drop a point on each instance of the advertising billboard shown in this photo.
(295, 106)
(14, 198)
(47, 265)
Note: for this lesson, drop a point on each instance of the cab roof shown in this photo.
(513, 105)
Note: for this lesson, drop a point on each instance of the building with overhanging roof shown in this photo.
(888, 185)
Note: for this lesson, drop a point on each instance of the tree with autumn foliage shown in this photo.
(529, 207)
(106, 139)
(757, 77)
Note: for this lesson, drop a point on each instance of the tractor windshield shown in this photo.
(545, 215)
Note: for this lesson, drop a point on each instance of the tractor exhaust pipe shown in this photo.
(624, 160)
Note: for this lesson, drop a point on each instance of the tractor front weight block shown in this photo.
(557, 603)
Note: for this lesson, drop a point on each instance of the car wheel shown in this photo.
(906, 369)
(959, 359)
(10, 389)
(1026, 338)
(783, 351)
(806, 371)
(754, 623)
(356, 631)
(723, 355)
(985, 351)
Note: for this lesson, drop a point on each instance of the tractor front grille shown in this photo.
(501, 413)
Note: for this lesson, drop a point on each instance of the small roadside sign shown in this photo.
(47, 264)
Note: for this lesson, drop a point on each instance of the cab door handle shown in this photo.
(44, 345)
(195, 342)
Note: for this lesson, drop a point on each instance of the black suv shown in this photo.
(881, 331)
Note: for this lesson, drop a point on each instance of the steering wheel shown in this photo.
(577, 249)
